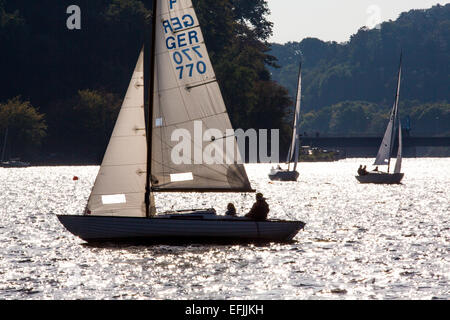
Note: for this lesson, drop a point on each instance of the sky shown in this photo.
(334, 20)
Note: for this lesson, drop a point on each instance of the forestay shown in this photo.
(120, 185)
(188, 102)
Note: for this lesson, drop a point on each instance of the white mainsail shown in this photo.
(295, 145)
(188, 102)
(385, 151)
(120, 185)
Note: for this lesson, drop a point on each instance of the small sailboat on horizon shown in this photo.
(279, 174)
(12, 162)
(184, 95)
(387, 146)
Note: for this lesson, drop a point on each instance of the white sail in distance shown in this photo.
(187, 101)
(385, 152)
(119, 189)
(398, 164)
(295, 144)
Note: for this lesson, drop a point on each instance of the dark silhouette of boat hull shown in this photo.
(381, 178)
(284, 175)
(189, 228)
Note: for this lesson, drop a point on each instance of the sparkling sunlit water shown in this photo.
(360, 242)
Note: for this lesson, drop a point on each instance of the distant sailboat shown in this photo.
(279, 174)
(386, 149)
(184, 95)
(12, 163)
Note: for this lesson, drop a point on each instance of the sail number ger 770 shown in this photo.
(187, 54)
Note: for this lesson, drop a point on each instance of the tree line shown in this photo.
(349, 88)
(61, 89)
(76, 79)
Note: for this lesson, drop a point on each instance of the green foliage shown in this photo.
(365, 68)
(26, 126)
(44, 61)
(356, 118)
(96, 113)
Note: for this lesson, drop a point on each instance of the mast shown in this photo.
(150, 110)
(395, 111)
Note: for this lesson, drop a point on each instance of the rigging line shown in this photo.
(186, 29)
(188, 88)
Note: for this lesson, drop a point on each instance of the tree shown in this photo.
(365, 68)
(25, 126)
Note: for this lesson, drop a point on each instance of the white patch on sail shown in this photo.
(159, 122)
(179, 177)
(114, 199)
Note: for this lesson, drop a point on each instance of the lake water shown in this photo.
(360, 241)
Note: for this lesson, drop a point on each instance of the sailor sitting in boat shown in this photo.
(231, 210)
(260, 209)
(362, 171)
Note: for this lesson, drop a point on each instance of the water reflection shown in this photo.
(360, 241)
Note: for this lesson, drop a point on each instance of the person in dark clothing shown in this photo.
(362, 171)
(231, 210)
(365, 172)
(260, 209)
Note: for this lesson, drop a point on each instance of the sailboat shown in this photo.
(184, 99)
(280, 174)
(386, 149)
(12, 163)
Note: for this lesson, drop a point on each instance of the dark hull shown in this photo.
(381, 178)
(284, 176)
(179, 230)
(14, 164)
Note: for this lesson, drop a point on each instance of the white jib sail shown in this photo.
(119, 189)
(384, 153)
(188, 107)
